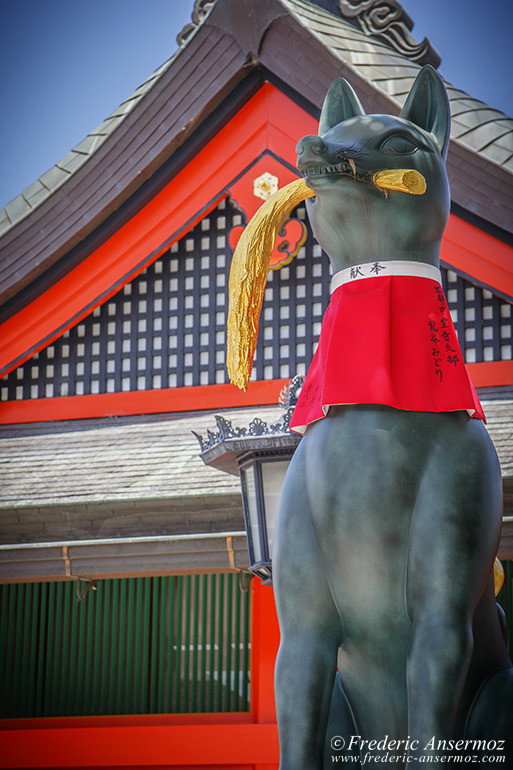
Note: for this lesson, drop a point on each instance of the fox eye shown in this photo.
(398, 145)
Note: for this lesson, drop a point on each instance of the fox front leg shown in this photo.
(454, 535)
(310, 629)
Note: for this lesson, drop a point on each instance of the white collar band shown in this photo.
(394, 267)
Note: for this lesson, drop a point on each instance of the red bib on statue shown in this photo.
(387, 338)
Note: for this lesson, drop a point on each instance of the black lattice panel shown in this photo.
(167, 328)
(483, 321)
(296, 297)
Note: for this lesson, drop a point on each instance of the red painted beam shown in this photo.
(475, 253)
(191, 399)
(221, 745)
(491, 374)
(264, 644)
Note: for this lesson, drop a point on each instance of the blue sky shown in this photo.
(66, 64)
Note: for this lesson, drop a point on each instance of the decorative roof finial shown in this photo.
(388, 21)
(385, 20)
(200, 10)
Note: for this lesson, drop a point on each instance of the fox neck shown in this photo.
(362, 227)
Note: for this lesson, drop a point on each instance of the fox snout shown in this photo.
(314, 152)
(311, 150)
(317, 157)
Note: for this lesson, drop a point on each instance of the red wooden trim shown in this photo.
(491, 373)
(224, 746)
(190, 399)
(126, 720)
(476, 253)
(269, 121)
(264, 643)
(223, 396)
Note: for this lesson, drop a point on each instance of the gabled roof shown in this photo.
(152, 134)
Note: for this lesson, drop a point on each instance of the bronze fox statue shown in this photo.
(390, 514)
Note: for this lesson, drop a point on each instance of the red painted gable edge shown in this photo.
(268, 122)
(271, 122)
(476, 254)
(189, 399)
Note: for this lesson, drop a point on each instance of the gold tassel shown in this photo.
(248, 275)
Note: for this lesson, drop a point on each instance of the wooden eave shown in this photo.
(118, 497)
(77, 499)
(222, 53)
(204, 71)
(117, 558)
(111, 464)
(261, 135)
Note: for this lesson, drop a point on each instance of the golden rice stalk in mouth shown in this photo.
(248, 274)
(401, 179)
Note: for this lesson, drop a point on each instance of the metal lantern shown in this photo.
(260, 455)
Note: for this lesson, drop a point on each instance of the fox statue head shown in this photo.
(357, 176)
(356, 221)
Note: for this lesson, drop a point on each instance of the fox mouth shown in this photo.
(344, 168)
(398, 179)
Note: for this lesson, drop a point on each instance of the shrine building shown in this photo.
(132, 635)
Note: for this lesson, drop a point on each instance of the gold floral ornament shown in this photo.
(265, 185)
(248, 274)
(250, 264)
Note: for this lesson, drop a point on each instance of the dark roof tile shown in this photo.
(17, 209)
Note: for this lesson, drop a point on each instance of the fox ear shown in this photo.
(427, 106)
(340, 104)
